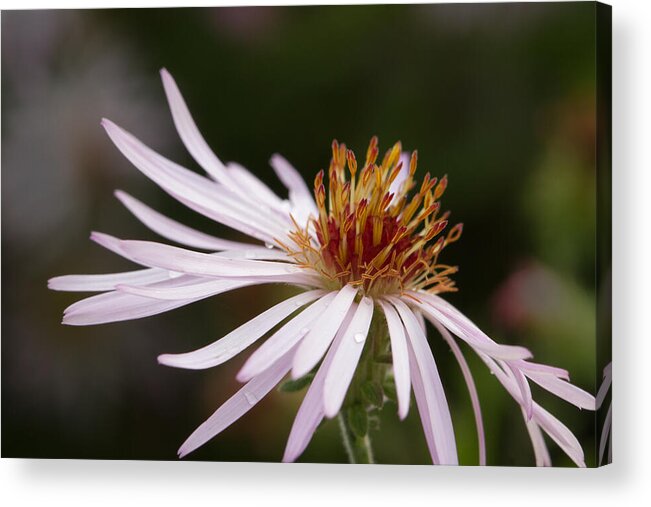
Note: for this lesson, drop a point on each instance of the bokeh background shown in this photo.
(500, 97)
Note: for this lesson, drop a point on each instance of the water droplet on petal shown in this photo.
(251, 398)
(359, 337)
(174, 274)
(269, 245)
(298, 303)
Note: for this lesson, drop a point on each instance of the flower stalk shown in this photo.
(358, 448)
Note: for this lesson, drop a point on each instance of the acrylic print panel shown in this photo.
(422, 289)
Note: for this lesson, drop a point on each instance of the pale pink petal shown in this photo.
(400, 358)
(423, 408)
(461, 326)
(257, 189)
(310, 414)
(605, 385)
(283, 340)
(109, 281)
(538, 440)
(236, 341)
(396, 184)
(115, 307)
(299, 194)
(564, 390)
(341, 370)
(237, 405)
(111, 243)
(523, 386)
(527, 366)
(560, 433)
(472, 389)
(432, 389)
(175, 231)
(189, 133)
(195, 191)
(317, 341)
(563, 437)
(605, 431)
(202, 264)
(188, 288)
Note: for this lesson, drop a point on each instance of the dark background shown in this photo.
(501, 97)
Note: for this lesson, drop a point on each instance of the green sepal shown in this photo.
(357, 420)
(371, 393)
(291, 386)
(389, 388)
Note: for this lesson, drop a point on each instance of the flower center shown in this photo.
(369, 232)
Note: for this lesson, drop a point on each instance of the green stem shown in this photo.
(357, 448)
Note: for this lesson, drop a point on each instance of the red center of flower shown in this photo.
(369, 232)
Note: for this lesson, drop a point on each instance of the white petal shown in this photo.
(310, 413)
(299, 193)
(433, 393)
(539, 446)
(423, 408)
(472, 389)
(195, 191)
(605, 385)
(400, 358)
(201, 264)
(175, 231)
(560, 433)
(550, 424)
(283, 340)
(239, 339)
(316, 342)
(111, 243)
(103, 282)
(523, 386)
(256, 188)
(115, 307)
(564, 390)
(604, 435)
(188, 288)
(341, 370)
(396, 184)
(527, 366)
(189, 133)
(461, 326)
(237, 406)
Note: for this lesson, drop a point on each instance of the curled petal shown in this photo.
(239, 339)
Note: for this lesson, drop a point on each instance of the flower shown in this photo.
(365, 251)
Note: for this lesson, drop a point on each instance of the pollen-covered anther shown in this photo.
(370, 231)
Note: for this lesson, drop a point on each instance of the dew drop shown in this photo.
(298, 304)
(251, 398)
(269, 245)
(359, 337)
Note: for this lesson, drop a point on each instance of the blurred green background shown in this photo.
(501, 97)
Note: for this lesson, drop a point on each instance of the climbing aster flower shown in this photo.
(365, 249)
